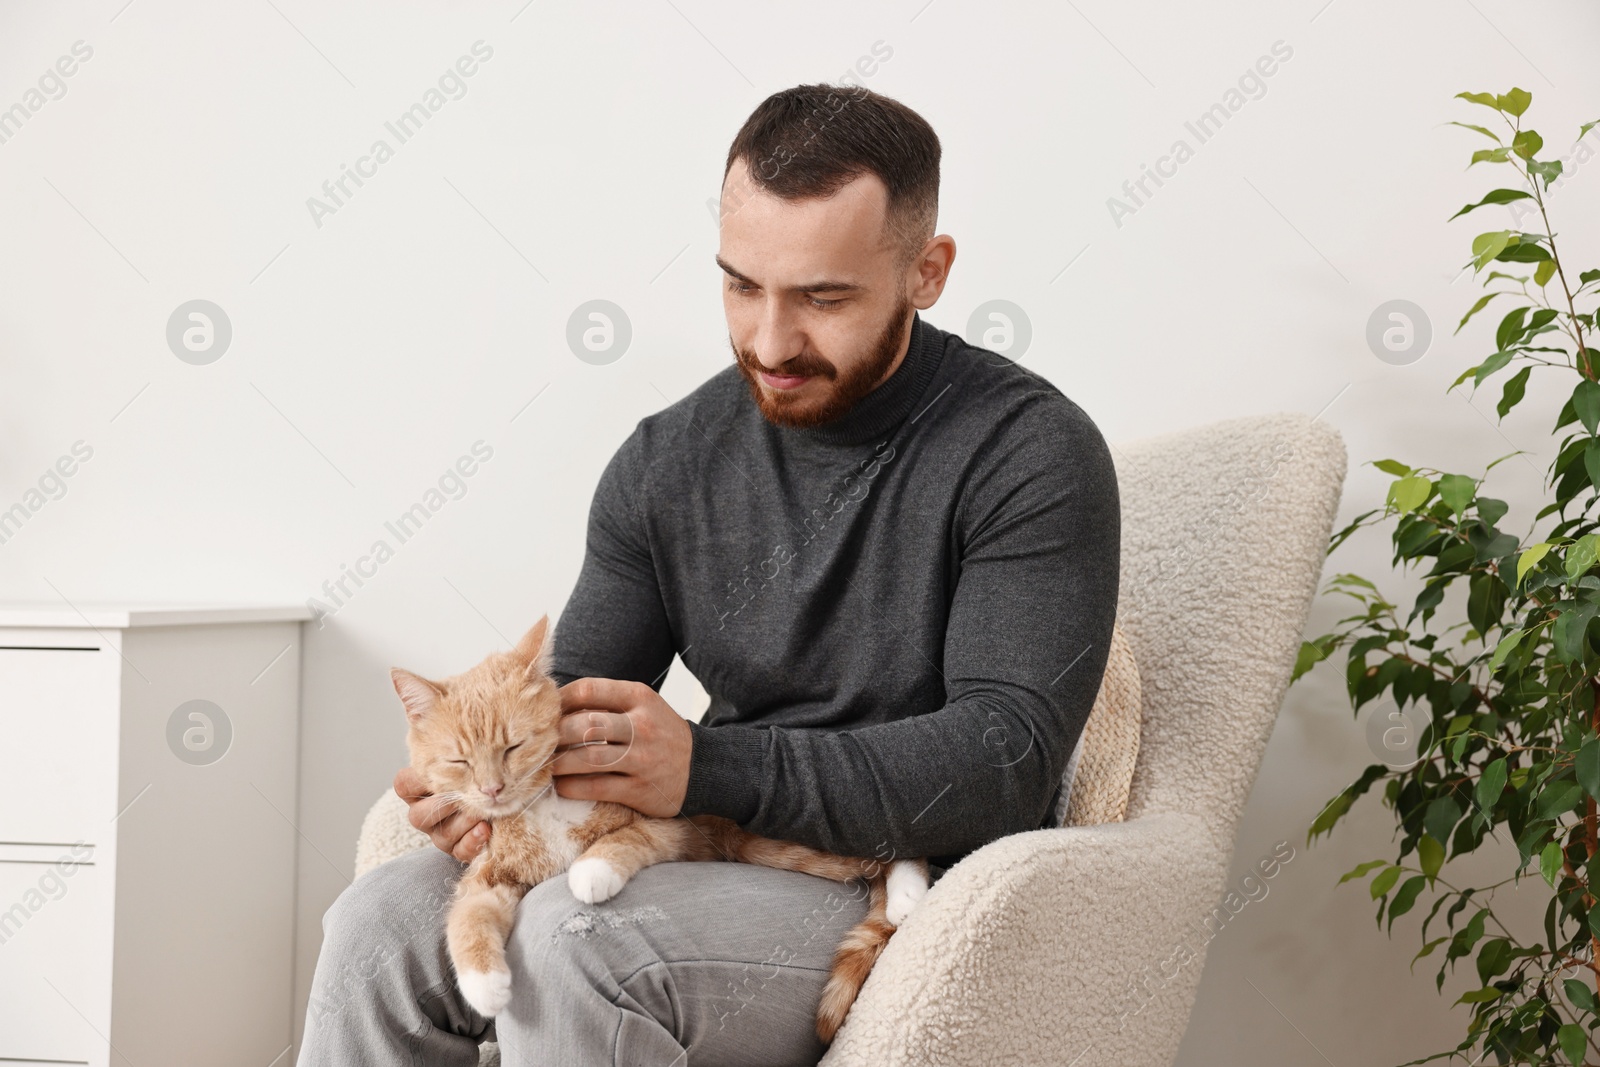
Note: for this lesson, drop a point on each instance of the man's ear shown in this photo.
(419, 695)
(536, 648)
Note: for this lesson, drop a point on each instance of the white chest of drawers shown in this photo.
(148, 770)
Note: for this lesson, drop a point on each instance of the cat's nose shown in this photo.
(490, 791)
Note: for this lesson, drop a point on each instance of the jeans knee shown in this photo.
(390, 913)
(397, 895)
(546, 913)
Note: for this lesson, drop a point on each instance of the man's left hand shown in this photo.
(621, 742)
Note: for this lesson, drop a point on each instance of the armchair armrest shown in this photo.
(1078, 946)
(386, 833)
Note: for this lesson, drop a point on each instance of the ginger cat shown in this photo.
(485, 739)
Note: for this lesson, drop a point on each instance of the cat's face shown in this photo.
(485, 738)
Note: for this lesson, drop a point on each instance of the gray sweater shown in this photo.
(902, 616)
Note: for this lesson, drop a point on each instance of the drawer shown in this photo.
(55, 966)
(58, 766)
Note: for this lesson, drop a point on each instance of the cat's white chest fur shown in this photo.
(553, 820)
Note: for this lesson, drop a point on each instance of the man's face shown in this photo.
(818, 312)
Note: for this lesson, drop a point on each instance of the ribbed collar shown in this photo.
(883, 409)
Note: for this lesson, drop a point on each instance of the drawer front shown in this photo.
(55, 959)
(58, 763)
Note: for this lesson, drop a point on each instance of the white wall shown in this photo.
(372, 351)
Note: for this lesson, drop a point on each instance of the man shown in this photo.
(892, 560)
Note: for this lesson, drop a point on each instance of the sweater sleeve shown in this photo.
(1026, 644)
(615, 625)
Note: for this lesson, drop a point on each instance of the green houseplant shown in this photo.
(1509, 694)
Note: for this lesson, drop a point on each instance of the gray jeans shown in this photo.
(700, 963)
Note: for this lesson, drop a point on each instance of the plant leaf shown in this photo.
(1309, 656)
(1491, 784)
(1496, 196)
(1591, 460)
(1570, 629)
(1486, 246)
(1503, 649)
(1516, 388)
(1588, 767)
(1456, 490)
(1580, 995)
(1584, 552)
(1544, 272)
(1486, 99)
(1523, 251)
(1405, 897)
(1530, 558)
(1527, 144)
(1549, 170)
(1430, 857)
(1409, 493)
(1550, 863)
(1384, 882)
(1515, 102)
(1482, 303)
(1441, 817)
(1427, 950)
(1586, 404)
(1574, 1043)
(1511, 328)
(1557, 799)
(1360, 869)
(1488, 133)
(1491, 365)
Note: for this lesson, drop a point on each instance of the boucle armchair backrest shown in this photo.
(1102, 772)
(1224, 532)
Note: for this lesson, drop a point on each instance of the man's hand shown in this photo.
(451, 830)
(621, 742)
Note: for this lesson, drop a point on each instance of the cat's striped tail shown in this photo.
(853, 961)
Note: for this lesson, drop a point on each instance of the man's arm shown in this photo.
(1027, 641)
(614, 624)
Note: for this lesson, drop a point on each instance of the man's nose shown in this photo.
(776, 340)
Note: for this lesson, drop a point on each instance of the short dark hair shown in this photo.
(810, 141)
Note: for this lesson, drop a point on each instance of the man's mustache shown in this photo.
(800, 366)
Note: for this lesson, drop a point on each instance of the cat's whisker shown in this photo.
(540, 794)
(440, 800)
(537, 796)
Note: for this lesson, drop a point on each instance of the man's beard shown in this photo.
(847, 387)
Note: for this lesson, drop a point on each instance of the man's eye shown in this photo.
(825, 303)
(738, 287)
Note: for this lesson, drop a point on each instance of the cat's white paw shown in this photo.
(593, 880)
(905, 887)
(487, 991)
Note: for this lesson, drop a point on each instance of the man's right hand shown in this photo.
(450, 830)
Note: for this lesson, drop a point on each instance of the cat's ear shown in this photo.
(535, 648)
(419, 695)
